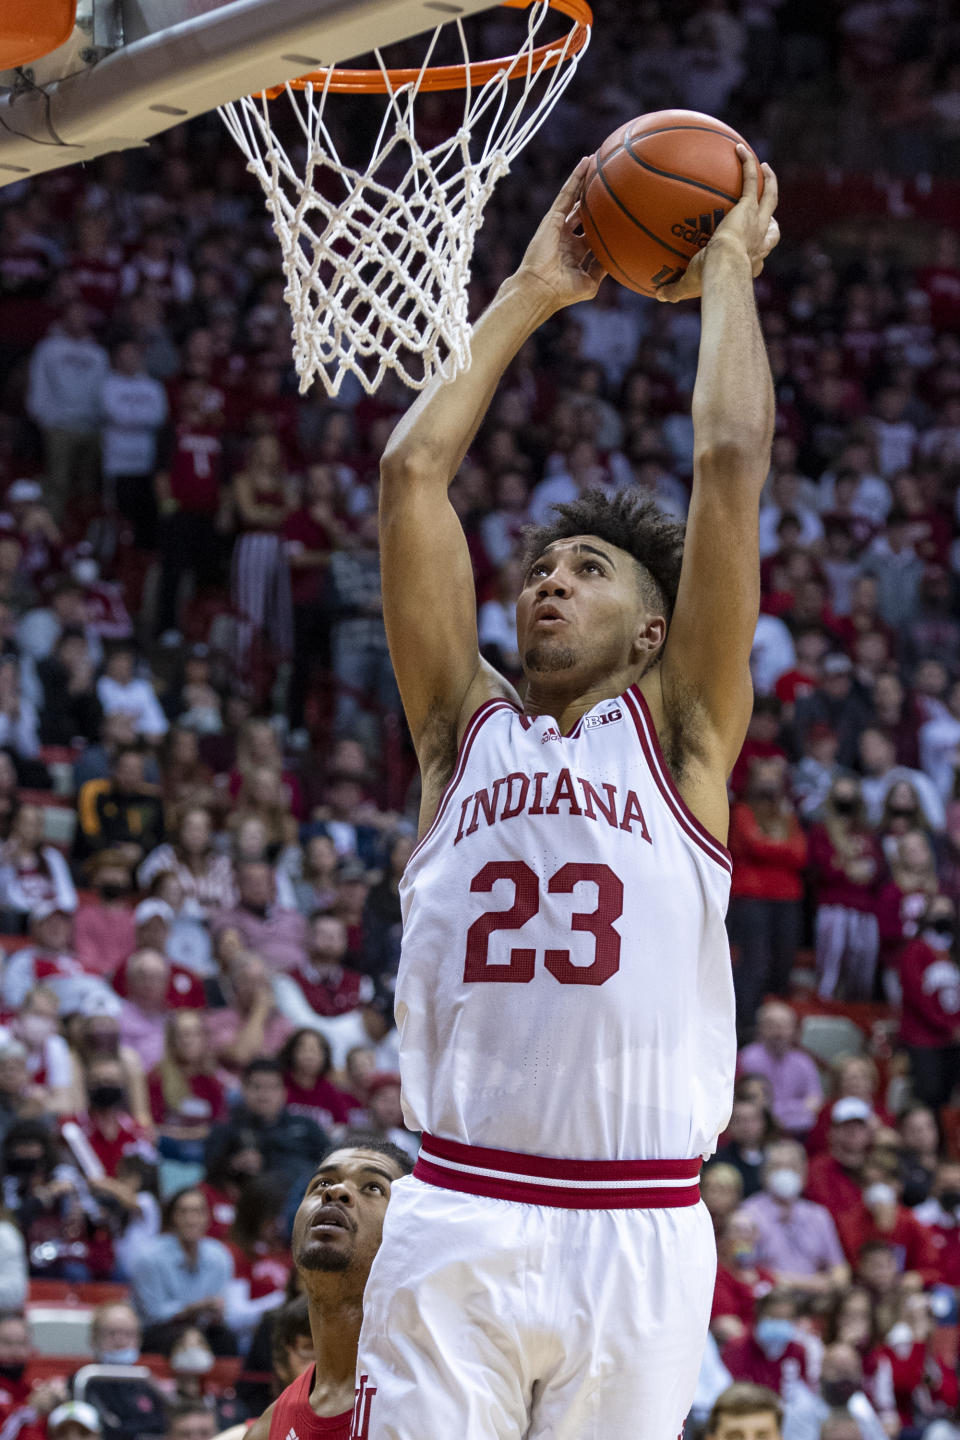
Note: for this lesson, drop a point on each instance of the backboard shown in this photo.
(133, 68)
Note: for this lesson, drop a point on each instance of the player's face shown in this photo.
(580, 614)
(340, 1220)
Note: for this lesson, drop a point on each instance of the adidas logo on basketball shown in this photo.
(698, 231)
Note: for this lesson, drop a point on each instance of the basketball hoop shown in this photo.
(377, 276)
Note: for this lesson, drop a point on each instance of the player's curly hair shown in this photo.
(631, 521)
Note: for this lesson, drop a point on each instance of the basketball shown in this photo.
(655, 192)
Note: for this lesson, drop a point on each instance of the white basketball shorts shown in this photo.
(488, 1318)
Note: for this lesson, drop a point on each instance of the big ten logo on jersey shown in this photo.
(606, 717)
(363, 1399)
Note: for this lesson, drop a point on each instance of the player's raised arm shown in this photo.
(428, 590)
(705, 673)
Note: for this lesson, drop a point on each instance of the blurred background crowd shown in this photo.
(207, 795)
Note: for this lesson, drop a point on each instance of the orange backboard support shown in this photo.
(31, 28)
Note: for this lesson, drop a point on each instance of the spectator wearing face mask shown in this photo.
(23, 1403)
(930, 1013)
(108, 1127)
(104, 930)
(880, 1216)
(741, 1280)
(769, 1354)
(924, 1386)
(191, 1360)
(840, 1393)
(939, 1214)
(796, 1239)
(128, 1404)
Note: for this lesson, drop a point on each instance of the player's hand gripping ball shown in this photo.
(657, 191)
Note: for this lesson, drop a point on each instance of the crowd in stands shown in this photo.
(207, 798)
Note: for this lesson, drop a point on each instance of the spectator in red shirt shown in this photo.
(834, 1179)
(311, 533)
(880, 1216)
(329, 984)
(846, 866)
(186, 1096)
(741, 1281)
(903, 900)
(770, 852)
(854, 1075)
(188, 486)
(307, 1063)
(762, 742)
(108, 1125)
(261, 1255)
(769, 1354)
(939, 1214)
(23, 1403)
(924, 1386)
(104, 929)
(930, 1014)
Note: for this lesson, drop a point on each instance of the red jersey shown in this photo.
(735, 1296)
(746, 1361)
(930, 982)
(205, 1104)
(223, 1212)
(323, 1103)
(266, 1270)
(293, 1419)
(194, 469)
(301, 532)
(334, 990)
(130, 1139)
(911, 1242)
(830, 1185)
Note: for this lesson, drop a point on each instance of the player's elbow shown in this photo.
(405, 465)
(733, 459)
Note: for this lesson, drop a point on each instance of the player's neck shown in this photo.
(547, 695)
(335, 1326)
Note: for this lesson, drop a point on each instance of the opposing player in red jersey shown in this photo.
(565, 999)
(336, 1234)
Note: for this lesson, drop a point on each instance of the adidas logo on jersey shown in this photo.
(697, 231)
(551, 733)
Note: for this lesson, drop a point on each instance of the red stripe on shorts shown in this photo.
(567, 1184)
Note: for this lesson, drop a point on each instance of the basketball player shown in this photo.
(336, 1233)
(565, 1001)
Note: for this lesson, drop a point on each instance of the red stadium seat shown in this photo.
(70, 1293)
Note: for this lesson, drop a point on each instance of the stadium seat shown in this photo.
(827, 1036)
(31, 28)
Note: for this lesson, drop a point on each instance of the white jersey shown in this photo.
(565, 986)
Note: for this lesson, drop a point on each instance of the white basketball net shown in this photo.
(377, 277)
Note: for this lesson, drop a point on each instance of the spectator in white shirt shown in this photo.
(134, 409)
(894, 435)
(120, 689)
(881, 772)
(19, 724)
(786, 499)
(773, 653)
(41, 628)
(67, 371)
(940, 744)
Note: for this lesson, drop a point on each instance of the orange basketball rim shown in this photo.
(346, 81)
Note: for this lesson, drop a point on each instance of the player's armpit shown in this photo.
(429, 602)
